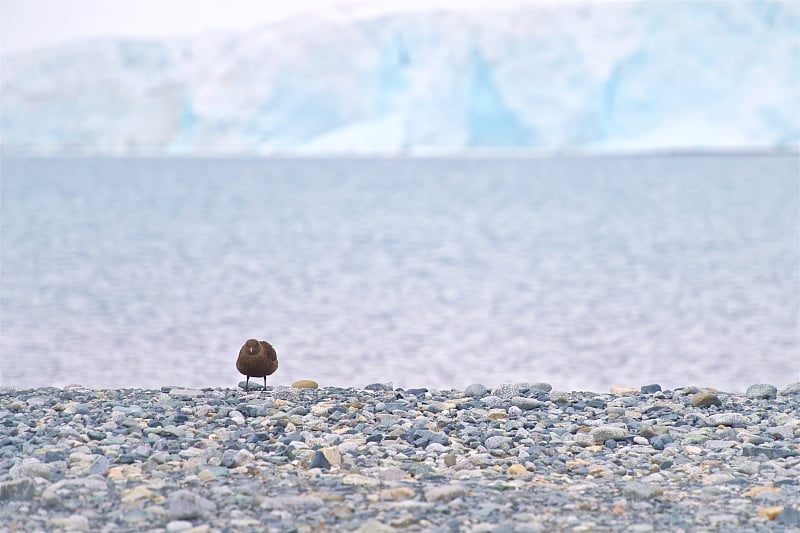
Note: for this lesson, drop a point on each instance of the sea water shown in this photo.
(582, 272)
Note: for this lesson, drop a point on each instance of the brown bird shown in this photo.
(257, 359)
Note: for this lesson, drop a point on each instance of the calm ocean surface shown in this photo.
(582, 272)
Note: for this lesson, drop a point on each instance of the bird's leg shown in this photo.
(265, 382)
(246, 383)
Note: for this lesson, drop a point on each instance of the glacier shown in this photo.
(569, 77)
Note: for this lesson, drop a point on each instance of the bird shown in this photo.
(257, 359)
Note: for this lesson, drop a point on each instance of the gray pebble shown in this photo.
(476, 390)
(791, 389)
(293, 503)
(320, 461)
(492, 401)
(507, 390)
(185, 505)
(496, 442)
(790, 516)
(640, 491)
(525, 403)
(19, 489)
(762, 391)
(445, 493)
(31, 467)
(99, 466)
(606, 432)
(727, 419)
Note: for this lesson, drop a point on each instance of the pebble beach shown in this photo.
(513, 458)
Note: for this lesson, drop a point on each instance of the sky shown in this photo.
(32, 24)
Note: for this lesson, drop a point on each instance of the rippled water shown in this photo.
(580, 272)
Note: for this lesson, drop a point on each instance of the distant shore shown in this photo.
(518, 457)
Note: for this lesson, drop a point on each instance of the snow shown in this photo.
(645, 75)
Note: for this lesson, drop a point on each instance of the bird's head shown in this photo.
(251, 346)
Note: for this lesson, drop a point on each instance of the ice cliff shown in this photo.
(618, 76)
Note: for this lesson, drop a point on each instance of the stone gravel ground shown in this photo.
(521, 457)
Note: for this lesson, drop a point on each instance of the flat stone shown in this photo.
(444, 493)
(770, 513)
(584, 439)
(179, 525)
(380, 386)
(719, 444)
(136, 493)
(31, 467)
(73, 522)
(358, 479)
(771, 453)
(185, 394)
(96, 435)
(396, 493)
(18, 489)
(100, 466)
(619, 390)
(727, 419)
(374, 526)
(293, 503)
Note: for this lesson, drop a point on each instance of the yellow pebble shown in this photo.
(517, 470)
(397, 493)
(305, 384)
(770, 513)
(753, 491)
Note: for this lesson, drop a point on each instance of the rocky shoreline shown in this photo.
(520, 457)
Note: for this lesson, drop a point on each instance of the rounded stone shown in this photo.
(560, 397)
(184, 505)
(305, 384)
(705, 399)
(525, 403)
(516, 470)
(727, 419)
(476, 390)
(444, 493)
(606, 432)
(496, 442)
(762, 391)
(650, 389)
(791, 389)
